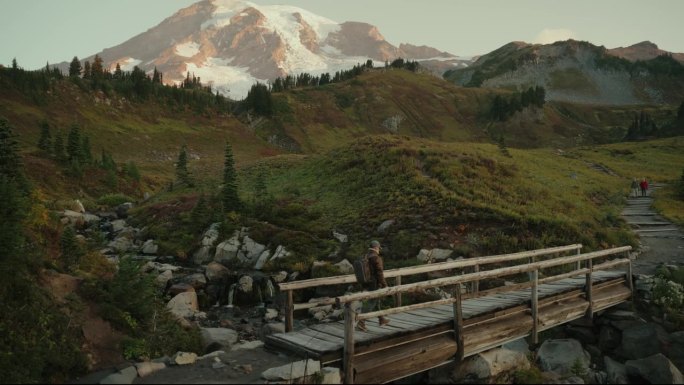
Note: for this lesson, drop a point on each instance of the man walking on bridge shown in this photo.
(378, 282)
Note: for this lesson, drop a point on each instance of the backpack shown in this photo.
(362, 270)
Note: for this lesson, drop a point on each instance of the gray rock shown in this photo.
(118, 225)
(676, 351)
(340, 237)
(643, 341)
(271, 314)
(121, 244)
(519, 345)
(280, 253)
(197, 280)
(124, 376)
(245, 284)
(262, 259)
(384, 226)
(561, 355)
(163, 278)
(183, 305)
(491, 363)
(250, 250)
(78, 207)
(331, 375)
(292, 371)
(227, 251)
(437, 255)
(582, 334)
(146, 368)
(609, 338)
(149, 247)
(211, 235)
(615, 371)
(214, 339)
(655, 369)
(249, 345)
(216, 272)
(280, 277)
(202, 255)
(345, 267)
(184, 358)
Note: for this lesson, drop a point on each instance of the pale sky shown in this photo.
(39, 31)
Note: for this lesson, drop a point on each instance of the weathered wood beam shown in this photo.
(289, 312)
(458, 325)
(351, 278)
(535, 307)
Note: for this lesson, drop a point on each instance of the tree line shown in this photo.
(503, 107)
(259, 97)
(644, 127)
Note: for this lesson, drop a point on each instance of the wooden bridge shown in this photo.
(555, 286)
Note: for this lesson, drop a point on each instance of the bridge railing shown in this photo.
(533, 268)
(474, 264)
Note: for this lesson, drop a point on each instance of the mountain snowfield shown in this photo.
(232, 44)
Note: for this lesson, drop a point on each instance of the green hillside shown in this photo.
(387, 145)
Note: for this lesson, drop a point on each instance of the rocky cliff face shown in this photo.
(643, 51)
(571, 71)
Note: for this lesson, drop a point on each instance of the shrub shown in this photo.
(528, 376)
(112, 200)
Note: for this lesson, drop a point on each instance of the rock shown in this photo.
(183, 305)
(250, 345)
(124, 376)
(655, 369)
(214, 339)
(184, 358)
(216, 272)
(331, 375)
(250, 250)
(676, 351)
(197, 280)
(272, 328)
(609, 338)
(280, 253)
(146, 368)
(626, 324)
(340, 237)
(621, 315)
(345, 267)
(643, 341)
(519, 345)
(491, 363)
(90, 218)
(245, 368)
(271, 314)
(181, 288)
(292, 371)
(384, 226)
(318, 309)
(78, 207)
(280, 277)
(122, 209)
(582, 334)
(434, 255)
(616, 372)
(121, 244)
(202, 255)
(262, 259)
(211, 235)
(163, 278)
(149, 247)
(118, 225)
(159, 267)
(245, 284)
(561, 355)
(228, 250)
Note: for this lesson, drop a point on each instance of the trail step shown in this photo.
(654, 230)
(638, 215)
(650, 223)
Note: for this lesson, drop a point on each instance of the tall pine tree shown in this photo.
(45, 141)
(74, 143)
(182, 174)
(75, 67)
(58, 146)
(13, 191)
(229, 194)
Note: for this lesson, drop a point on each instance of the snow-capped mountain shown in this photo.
(232, 44)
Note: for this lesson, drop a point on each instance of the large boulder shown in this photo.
(434, 255)
(643, 341)
(655, 369)
(214, 339)
(197, 280)
(147, 367)
(123, 376)
(216, 272)
(262, 259)
(616, 372)
(560, 356)
(345, 267)
(184, 305)
(676, 351)
(280, 253)
(149, 247)
(227, 251)
(250, 250)
(490, 365)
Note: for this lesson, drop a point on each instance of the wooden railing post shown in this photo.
(535, 307)
(630, 281)
(348, 363)
(476, 283)
(579, 263)
(458, 324)
(588, 287)
(397, 297)
(289, 312)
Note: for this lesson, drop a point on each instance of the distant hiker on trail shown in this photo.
(635, 187)
(377, 282)
(644, 187)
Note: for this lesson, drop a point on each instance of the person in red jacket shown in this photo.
(644, 187)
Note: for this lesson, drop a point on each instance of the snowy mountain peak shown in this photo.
(231, 44)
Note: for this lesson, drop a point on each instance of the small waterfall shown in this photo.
(231, 295)
(270, 290)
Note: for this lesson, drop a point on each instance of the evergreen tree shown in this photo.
(182, 174)
(75, 67)
(70, 248)
(229, 195)
(118, 74)
(86, 154)
(260, 189)
(74, 144)
(87, 72)
(106, 161)
(97, 69)
(132, 171)
(200, 216)
(58, 151)
(45, 141)
(259, 98)
(13, 188)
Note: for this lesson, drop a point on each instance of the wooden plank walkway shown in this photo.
(326, 341)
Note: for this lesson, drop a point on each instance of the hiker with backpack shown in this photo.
(370, 274)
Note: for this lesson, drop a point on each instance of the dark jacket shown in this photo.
(376, 265)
